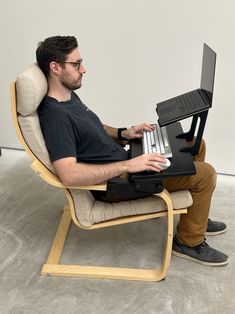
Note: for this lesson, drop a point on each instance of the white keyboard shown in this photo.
(157, 142)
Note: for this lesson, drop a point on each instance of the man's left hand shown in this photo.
(137, 131)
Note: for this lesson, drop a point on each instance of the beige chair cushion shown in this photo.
(30, 127)
(89, 211)
(31, 87)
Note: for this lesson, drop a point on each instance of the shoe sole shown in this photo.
(216, 233)
(199, 261)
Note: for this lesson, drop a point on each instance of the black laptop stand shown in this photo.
(194, 148)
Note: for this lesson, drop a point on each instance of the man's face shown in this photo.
(72, 71)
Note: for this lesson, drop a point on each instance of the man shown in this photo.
(85, 152)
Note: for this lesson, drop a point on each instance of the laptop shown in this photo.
(196, 101)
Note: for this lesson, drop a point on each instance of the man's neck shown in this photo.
(58, 91)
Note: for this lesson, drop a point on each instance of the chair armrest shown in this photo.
(53, 179)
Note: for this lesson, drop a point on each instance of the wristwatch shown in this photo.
(120, 133)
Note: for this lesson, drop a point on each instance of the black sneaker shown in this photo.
(215, 227)
(202, 254)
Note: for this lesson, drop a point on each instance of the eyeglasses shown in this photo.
(75, 64)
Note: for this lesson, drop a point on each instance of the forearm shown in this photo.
(73, 173)
(90, 174)
(113, 132)
(130, 133)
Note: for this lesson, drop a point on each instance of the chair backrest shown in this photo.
(31, 88)
(27, 93)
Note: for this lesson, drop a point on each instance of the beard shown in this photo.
(71, 85)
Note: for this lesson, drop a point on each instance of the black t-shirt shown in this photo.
(70, 129)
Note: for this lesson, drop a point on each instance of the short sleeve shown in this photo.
(59, 138)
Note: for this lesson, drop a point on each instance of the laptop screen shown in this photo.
(208, 71)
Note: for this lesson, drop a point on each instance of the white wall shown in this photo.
(136, 52)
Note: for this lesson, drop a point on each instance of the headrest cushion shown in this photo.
(31, 87)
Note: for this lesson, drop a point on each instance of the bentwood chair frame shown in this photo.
(52, 265)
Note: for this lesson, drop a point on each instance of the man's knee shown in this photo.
(209, 174)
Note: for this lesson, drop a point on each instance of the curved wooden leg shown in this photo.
(168, 248)
(53, 268)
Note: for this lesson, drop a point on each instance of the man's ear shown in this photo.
(55, 67)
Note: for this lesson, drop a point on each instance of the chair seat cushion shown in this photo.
(89, 211)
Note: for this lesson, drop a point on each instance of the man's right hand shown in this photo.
(145, 162)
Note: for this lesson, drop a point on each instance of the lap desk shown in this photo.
(145, 183)
(181, 162)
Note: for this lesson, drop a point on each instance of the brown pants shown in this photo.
(192, 226)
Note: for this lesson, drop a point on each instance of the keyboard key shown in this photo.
(156, 142)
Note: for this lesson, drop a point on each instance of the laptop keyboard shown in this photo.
(157, 142)
(190, 102)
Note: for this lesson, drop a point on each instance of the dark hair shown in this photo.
(56, 49)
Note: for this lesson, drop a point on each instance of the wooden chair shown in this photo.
(26, 94)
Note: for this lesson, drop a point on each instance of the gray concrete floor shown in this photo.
(30, 211)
